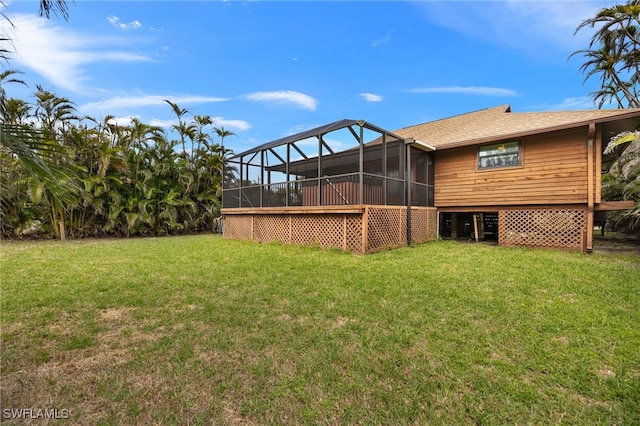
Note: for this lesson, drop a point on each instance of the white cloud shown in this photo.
(234, 124)
(466, 90)
(118, 102)
(371, 97)
(115, 21)
(59, 54)
(123, 121)
(285, 96)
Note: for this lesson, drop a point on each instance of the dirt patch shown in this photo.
(617, 243)
(563, 340)
(114, 314)
(341, 322)
(606, 373)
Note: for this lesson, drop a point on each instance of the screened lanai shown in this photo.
(347, 185)
(347, 162)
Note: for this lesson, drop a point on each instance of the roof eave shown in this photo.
(539, 130)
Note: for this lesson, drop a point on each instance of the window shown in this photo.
(505, 154)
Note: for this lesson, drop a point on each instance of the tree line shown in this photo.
(66, 175)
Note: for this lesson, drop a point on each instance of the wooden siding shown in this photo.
(553, 171)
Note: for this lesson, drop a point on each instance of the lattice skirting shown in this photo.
(556, 228)
(379, 227)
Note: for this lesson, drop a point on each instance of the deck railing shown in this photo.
(341, 189)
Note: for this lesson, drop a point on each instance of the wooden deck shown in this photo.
(355, 228)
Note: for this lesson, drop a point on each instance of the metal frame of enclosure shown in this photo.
(339, 168)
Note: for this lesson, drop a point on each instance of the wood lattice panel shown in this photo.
(323, 230)
(238, 227)
(386, 227)
(557, 228)
(269, 228)
(353, 233)
(422, 225)
(432, 220)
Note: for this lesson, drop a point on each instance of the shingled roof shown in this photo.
(499, 123)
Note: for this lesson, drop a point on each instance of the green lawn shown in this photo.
(200, 330)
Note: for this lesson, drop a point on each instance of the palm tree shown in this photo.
(614, 54)
(201, 121)
(223, 133)
(142, 135)
(54, 116)
(34, 151)
(184, 130)
(53, 112)
(7, 77)
(15, 111)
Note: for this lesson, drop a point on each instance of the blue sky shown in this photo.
(267, 69)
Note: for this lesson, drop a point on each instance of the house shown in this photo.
(524, 179)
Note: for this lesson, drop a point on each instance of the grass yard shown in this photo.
(200, 330)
